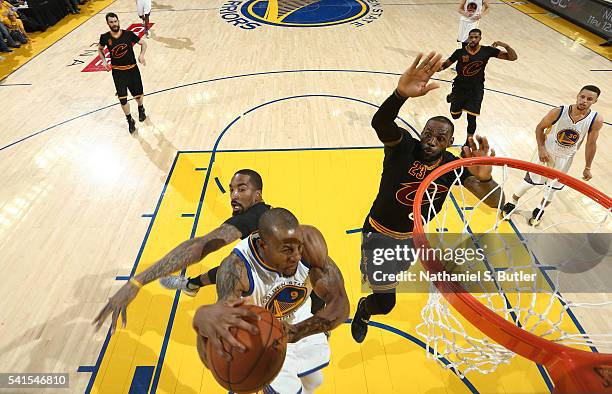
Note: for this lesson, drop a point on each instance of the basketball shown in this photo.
(252, 370)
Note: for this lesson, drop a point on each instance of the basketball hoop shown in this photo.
(520, 329)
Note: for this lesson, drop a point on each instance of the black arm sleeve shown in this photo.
(384, 119)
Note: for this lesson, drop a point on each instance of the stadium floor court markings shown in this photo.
(159, 321)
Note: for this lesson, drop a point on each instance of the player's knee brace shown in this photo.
(380, 303)
(471, 128)
(123, 101)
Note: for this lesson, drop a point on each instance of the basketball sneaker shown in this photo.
(536, 217)
(178, 282)
(359, 325)
(131, 125)
(141, 114)
(507, 210)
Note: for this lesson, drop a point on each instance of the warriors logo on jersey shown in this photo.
(284, 299)
(567, 137)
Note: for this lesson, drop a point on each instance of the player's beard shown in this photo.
(115, 29)
(429, 158)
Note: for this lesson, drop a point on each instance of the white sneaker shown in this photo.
(178, 282)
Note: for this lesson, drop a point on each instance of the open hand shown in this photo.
(116, 305)
(414, 81)
(481, 172)
(213, 322)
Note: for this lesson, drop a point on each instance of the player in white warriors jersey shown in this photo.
(559, 135)
(471, 11)
(277, 269)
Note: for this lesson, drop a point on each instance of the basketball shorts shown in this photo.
(465, 25)
(378, 270)
(128, 80)
(143, 7)
(559, 163)
(304, 357)
(466, 99)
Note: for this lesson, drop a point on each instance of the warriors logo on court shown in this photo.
(250, 14)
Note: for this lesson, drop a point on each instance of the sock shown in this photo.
(141, 108)
(128, 117)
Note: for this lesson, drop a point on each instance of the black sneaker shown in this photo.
(536, 217)
(131, 125)
(507, 210)
(141, 114)
(359, 325)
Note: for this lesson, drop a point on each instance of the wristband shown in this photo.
(587, 168)
(399, 96)
(136, 283)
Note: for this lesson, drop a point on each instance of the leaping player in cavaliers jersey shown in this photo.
(559, 135)
(407, 162)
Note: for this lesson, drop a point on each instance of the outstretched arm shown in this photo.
(591, 147)
(187, 253)
(328, 283)
(414, 82)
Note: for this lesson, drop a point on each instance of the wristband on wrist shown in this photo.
(136, 283)
(399, 96)
(587, 168)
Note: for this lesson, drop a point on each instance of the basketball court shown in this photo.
(230, 85)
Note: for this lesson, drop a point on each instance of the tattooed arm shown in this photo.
(190, 252)
(327, 283)
(187, 253)
(213, 322)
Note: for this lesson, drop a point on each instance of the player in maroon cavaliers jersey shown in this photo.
(407, 162)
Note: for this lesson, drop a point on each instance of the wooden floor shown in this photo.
(83, 203)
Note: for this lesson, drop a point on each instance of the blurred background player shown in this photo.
(144, 10)
(126, 74)
(406, 163)
(471, 12)
(468, 86)
(277, 268)
(559, 136)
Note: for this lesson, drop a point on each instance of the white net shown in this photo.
(550, 280)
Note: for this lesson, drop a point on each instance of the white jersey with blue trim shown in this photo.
(288, 298)
(564, 138)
